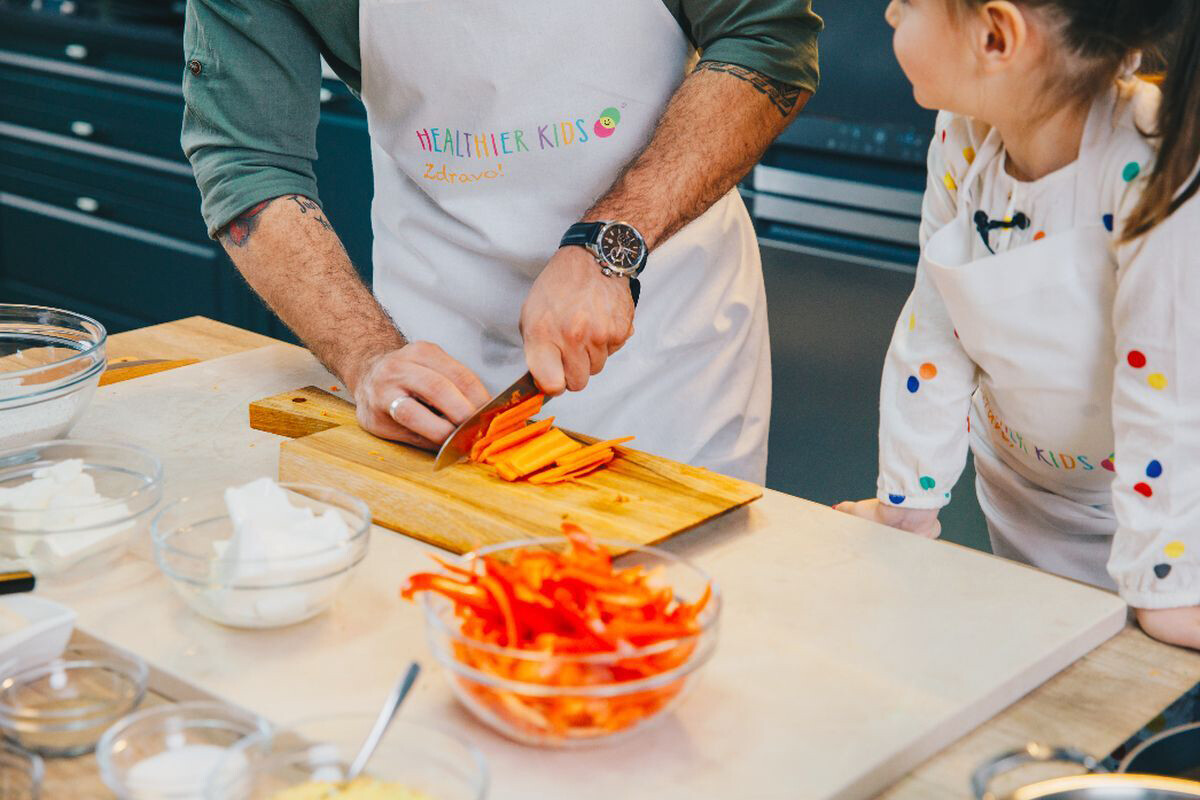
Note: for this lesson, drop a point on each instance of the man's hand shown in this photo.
(1179, 626)
(399, 392)
(923, 522)
(574, 318)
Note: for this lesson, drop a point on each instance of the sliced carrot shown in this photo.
(536, 454)
(517, 414)
(573, 469)
(496, 449)
(482, 443)
(586, 453)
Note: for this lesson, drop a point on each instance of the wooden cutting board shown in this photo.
(638, 498)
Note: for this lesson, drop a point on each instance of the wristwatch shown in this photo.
(618, 248)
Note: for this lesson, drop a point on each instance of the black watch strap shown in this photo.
(581, 234)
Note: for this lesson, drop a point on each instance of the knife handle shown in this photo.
(16, 582)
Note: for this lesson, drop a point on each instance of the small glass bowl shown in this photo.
(50, 364)
(605, 695)
(69, 542)
(419, 758)
(21, 774)
(62, 707)
(186, 742)
(188, 541)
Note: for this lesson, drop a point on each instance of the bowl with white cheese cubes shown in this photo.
(262, 555)
(50, 364)
(69, 508)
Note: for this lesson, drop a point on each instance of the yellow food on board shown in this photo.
(358, 789)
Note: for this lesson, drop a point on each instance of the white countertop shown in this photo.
(848, 653)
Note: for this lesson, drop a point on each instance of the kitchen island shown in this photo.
(778, 636)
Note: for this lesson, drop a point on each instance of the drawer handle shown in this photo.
(326, 96)
(76, 52)
(88, 205)
(82, 129)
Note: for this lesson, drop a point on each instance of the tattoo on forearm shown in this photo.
(783, 96)
(239, 231)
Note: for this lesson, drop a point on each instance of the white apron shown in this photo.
(494, 126)
(1037, 320)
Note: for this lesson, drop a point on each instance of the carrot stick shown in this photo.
(495, 450)
(572, 470)
(588, 452)
(486, 440)
(536, 453)
(517, 414)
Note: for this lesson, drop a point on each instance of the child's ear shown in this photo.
(1002, 33)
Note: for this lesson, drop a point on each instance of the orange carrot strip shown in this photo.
(483, 442)
(587, 453)
(516, 414)
(572, 469)
(536, 453)
(496, 449)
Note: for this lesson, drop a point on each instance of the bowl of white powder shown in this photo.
(167, 752)
(262, 555)
(69, 508)
(50, 363)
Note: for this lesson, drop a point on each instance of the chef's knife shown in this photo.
(458, 446)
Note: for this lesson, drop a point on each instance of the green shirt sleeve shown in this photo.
(251, 104)
(777, 38)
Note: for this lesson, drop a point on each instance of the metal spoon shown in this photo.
(386, 715)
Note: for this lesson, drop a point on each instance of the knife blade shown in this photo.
(458, 445)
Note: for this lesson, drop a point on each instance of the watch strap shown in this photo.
(582, 234)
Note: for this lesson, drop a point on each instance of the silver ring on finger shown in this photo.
(395, 404)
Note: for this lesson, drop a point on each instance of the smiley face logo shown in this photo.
(607, 123)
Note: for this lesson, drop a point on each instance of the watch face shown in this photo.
(621, 246)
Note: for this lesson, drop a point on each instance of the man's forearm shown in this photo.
(288, 252)
(714, 130)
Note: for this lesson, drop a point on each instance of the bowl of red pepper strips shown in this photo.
(553, 643)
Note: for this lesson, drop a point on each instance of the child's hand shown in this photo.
(921, 521)
(1180, 626)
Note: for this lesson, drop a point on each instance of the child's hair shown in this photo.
(1102, 35)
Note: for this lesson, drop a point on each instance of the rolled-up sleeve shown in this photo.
(777, 38)
(251, 87)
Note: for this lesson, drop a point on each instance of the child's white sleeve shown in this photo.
(928, 378)
(1156, 408)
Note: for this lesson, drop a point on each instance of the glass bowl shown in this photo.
(422, 759)
(169, 751)
(578, 700)
(190, 539)
(62, 707)
(21, 774)
(50, 363)
(56, 537)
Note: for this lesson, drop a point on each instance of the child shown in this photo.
(1055, 319)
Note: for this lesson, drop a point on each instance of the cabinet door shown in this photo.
(344, 177)
(123, 275)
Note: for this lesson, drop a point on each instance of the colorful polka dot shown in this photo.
(1136, 359)
(928, 371)
(913, 384)
(896, 499)
(1157, 381)
(1131, 171)
(956, 333)
(927, 483)
(1109, 222)
(1108, 463)
(952, 185)
(969, 154)
(1162, 570)
(912, 322)
(1037, 237)
(1154, 469)
(943, 136)
(1143, 489)
(1174, 549)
